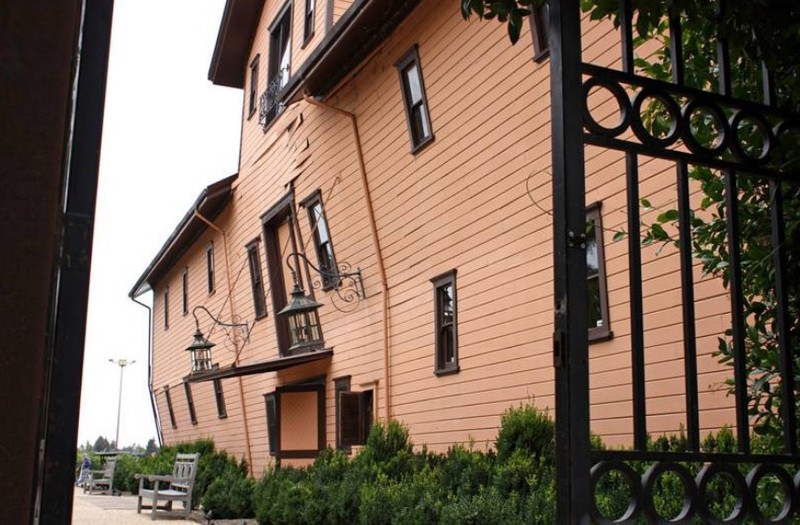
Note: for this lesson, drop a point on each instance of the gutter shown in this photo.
(219, 230)
(159, 433)
(376, 244)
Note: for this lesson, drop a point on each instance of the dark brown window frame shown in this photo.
(358, 405)
(441, 365)
(273, 62)
(330, 267)
(274, 422)
(599, 333)
(185, 290)
(256, 280)
(166, 308)
(309, 16)
(170, 410)
(272, 220)
(252, 97)
(411, 57)
(210, 268)
(219, 396)
(540, 31)
(187, 388)
(340, 384)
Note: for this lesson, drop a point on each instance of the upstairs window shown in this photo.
(185, 291)
(355, 417)
(210, 269)
(271, 401)
(540, 31)
(252, 96)
(599, 325)
(444, 296)
(280, 52)
(256, 280)
(308, 20)
(166, 308)
(414, 99)
(322, 239)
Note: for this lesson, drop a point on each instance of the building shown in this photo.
(394, 167)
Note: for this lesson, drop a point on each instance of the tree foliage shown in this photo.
(759, 33)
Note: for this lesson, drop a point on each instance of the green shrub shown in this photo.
(487, 506)
(528, 429)
(466, 471)
(230, 495)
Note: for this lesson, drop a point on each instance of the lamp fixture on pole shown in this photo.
(200, 349)
(122, 363)
(305, 332)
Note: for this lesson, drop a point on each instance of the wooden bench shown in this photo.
(168, 489)
(101, 481)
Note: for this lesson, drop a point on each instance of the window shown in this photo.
(322, 239)
(252, 96)
(355, 417)
(444, 296)
(413, 88)
(599, 326)
(190, 402)
(169, 407)
(256, 280)
(185, 291)
(540, 31)
(280, 242)
(280, 53)
(222, 412)
(341, 384)
(308, 20)
(210, 267)
(292, 407)
(166, 308)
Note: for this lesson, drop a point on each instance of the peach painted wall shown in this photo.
(477, 200)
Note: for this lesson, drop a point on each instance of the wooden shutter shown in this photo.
(272, 423)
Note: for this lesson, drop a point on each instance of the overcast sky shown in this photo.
(167, 134)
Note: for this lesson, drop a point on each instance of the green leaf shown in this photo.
(668, 216)
(620, 235)
(645, 204)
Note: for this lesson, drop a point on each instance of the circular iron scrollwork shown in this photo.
(760, 472)
(706, 476)
(649, 481)
(672, 110)
(720, 142)
(630, 477)
(623, 103)
(760, 125)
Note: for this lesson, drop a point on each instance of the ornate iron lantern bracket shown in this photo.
(349, 285)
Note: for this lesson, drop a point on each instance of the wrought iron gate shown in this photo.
(574, 128)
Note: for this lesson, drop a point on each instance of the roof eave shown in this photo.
(234, 39)
(210, 203)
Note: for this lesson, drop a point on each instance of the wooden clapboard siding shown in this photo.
(477, 200)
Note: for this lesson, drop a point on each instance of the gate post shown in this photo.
(569, 225)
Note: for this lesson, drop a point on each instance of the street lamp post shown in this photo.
(122, 364)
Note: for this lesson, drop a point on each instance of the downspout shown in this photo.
(247, 445)
(150, 369)
(375, 242)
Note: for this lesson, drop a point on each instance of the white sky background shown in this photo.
(167, 134)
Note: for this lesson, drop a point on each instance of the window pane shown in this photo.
(447, 346)
(446, 303)
(411, 73)
(595, 311)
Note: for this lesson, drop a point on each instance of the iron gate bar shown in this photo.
(737, 315)
(571, 339)
(687, 289)
(781, 291)
(634, 256)
(786, 364)
(638, 378)
(676, 44)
